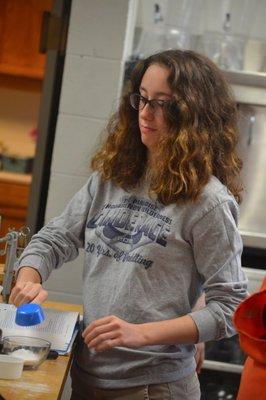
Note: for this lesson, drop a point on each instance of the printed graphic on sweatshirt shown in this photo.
(130, 224)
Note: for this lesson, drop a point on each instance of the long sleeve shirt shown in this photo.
(145, 261)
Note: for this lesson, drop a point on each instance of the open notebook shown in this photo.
(59, 327)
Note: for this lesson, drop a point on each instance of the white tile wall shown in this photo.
(89, 94)
(79, 136)
(96, 28)
(61, 188)
(57, 286)
(89, 86)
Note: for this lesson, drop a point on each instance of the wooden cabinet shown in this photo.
(13, 206)
(20, 29)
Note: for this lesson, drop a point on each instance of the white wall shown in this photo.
(90, 89)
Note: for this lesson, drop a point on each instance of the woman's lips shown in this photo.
(147, 129)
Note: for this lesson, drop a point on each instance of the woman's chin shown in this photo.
(149, 142)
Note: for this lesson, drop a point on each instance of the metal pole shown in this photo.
(11, 257)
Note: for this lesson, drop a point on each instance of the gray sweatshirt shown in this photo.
(146, 262)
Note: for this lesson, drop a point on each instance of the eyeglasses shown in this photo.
(138, 102)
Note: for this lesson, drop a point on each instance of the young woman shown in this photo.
(158, 222)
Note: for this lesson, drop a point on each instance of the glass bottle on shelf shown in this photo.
(226, 45)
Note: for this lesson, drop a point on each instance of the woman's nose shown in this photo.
(147, 112)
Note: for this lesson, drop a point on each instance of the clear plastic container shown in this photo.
(33, 351)
(10, 367)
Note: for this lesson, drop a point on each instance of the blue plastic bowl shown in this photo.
(29, 314)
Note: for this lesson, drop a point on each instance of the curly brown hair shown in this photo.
(202, 137)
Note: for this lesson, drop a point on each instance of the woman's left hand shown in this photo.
(111, 331)
(199, 356)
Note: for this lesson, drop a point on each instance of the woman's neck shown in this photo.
(151, 163)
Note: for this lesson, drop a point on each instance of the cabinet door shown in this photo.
(20, 28)
(13, 208)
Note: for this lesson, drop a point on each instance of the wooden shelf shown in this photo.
(15, 177)
(24, 72)
(20, 83)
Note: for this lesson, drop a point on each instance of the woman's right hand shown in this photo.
(27, 292)
(28, 288)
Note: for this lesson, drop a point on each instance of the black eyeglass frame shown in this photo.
(153, 103)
